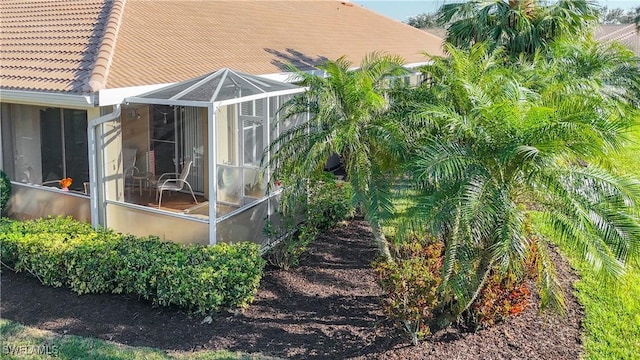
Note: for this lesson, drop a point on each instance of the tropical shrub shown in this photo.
(504, 295)
(520, 26)
(203, 279)
(329, 203)
(64, 252)
(145, 257)
(501, 297)
(304, 217)
(345, 109)
(66, 226)
(5, 191)
(506, 140)
(290, 244)
(410, 284)
(92, 262)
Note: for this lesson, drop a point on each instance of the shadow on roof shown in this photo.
(296, 58)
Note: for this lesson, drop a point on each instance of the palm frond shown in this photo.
(551, 294)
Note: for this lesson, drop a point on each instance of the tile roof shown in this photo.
(626, 34)
(49, 44)
(88, 45)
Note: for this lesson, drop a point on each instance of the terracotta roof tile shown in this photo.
(88, 45)
(169, 41)
(626, 34)
(49, 45)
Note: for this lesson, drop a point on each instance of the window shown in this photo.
(45, 145)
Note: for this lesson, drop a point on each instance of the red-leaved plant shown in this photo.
(410, 284)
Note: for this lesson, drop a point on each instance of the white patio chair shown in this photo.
(129, 158)
(166, 183)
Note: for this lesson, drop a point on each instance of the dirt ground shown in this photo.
(329, 308)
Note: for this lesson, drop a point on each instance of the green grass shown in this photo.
(612, 314)
(611, 325)
(628, 160)
(612, 311)
(21, 342)
(404, 198)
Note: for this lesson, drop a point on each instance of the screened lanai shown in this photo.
(209, 135)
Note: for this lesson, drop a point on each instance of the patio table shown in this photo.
(143, 181)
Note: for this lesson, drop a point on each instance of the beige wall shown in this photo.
(139, 222)
(31, 202)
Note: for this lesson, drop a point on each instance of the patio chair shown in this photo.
(129, 157)
(166, 183)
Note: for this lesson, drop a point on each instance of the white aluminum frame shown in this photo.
(212, 109)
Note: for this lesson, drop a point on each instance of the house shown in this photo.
(625, 34)
(115, 93)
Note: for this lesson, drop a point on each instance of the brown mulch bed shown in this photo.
(327, 308)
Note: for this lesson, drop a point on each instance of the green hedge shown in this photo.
(5, 191)
(64, 252)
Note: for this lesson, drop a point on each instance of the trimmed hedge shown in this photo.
(5, 191)
(64, 252)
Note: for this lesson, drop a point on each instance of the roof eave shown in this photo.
(65, 100)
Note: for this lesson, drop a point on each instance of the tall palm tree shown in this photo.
(521, 26)
(497, 152)
(345, 108)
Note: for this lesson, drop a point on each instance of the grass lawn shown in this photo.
(20, 342)
(612, 320)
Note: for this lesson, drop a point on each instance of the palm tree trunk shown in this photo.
(381, 240)
(484, 269)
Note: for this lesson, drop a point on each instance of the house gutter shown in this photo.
(72, 101)
(93, 162)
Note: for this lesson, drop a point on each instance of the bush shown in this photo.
(145, 258)
(291, 245)
(410, 284)
(5, 191)
(208, 278)
(328, 203)
(66, 226)
(92, 263)
(500, 298)
(64, 252)
(503, 295)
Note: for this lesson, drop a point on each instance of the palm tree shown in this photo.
(610, 68)
(344, 118)
(499, 152)
(636, 20)
(521, 26)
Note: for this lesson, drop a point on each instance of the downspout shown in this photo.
(93, 163)
(95, 84)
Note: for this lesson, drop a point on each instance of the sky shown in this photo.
(403, 9)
